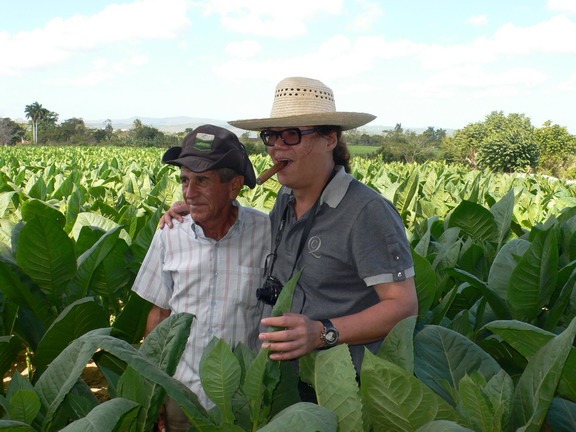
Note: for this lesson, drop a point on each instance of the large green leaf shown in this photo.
(503, 212)
(131, 322)
(562, 415)
(144, 237)
(398, 347)
(474, 220)
(286, 392)
(89, 261)
(67, 186)
(496, 303)
(6, 202)
(425, 280)
(17, 291)
(37, 189)
(500, 390)
(407, 192)
(336, 387)
(528, 339)
(24, 406)
(114, 415)
(166, 343)
(562, 303)
(46, 254)
(15, 426)
(75, 320)
(534, 279)
(220, 374)
(476, 405)
(443, 426)
(254, 386)
(111, 278)
(284, 302)
(443, 354)
(62, 374)
(504, 264)
(74, 207)
(35, 208)
(93, 220)
(303, 417)
(396, 400)
(163, 347)
(537, 385)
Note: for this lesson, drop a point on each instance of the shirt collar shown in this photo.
(335, 190)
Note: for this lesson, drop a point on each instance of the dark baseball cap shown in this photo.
(210, 147)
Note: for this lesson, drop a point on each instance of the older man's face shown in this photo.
(207, 197)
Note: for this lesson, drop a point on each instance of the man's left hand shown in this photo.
(301, 336)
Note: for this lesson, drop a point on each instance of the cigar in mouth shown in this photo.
(271, 171)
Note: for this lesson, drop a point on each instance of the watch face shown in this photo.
(330, 336)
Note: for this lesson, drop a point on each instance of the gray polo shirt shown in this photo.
(357, 240)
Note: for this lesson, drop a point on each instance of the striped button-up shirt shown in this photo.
(184, 271)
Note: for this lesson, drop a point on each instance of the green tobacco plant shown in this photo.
(61, 400)
(455, 384)
(59, 287)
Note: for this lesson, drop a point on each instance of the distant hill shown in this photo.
(180, 124)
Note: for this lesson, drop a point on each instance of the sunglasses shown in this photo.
(290, 136)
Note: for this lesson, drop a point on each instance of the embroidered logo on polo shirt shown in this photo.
(314, 244)
(203, 142)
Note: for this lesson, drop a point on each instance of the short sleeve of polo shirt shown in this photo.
(379, 245)
(152, 283)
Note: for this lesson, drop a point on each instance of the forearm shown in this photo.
(374, 323)
(155, 317)
(397, 301)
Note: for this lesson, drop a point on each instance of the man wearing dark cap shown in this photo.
(211, 263)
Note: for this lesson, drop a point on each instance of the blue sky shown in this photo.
(441, 63)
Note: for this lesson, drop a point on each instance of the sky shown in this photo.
(420, 63)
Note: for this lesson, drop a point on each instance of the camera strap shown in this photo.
(307, 228)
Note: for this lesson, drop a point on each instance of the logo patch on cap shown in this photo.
(203, 142)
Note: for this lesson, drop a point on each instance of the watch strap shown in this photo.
(330, 334)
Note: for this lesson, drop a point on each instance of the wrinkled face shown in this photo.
(207, 197)
(304, 160)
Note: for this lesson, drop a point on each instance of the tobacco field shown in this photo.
(491, 350)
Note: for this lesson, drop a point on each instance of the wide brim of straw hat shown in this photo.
(346, 121)
(300, 101)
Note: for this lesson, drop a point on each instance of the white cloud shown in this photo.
(562, 5)
(482, 83)
(104, 70)
(553, 36)
(62, 38)
(338, 57)
(478, 20)
(272, 18)
(370, 13)
(243, 49)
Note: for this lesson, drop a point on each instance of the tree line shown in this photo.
(501, 143)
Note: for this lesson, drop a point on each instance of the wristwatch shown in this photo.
(329, 335)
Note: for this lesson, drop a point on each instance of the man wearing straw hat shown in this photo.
(358, 274)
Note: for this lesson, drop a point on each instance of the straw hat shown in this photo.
(302, 101)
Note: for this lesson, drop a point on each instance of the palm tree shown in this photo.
(36, 112)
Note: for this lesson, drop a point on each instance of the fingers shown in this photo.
(301, 336)
(169, 216)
